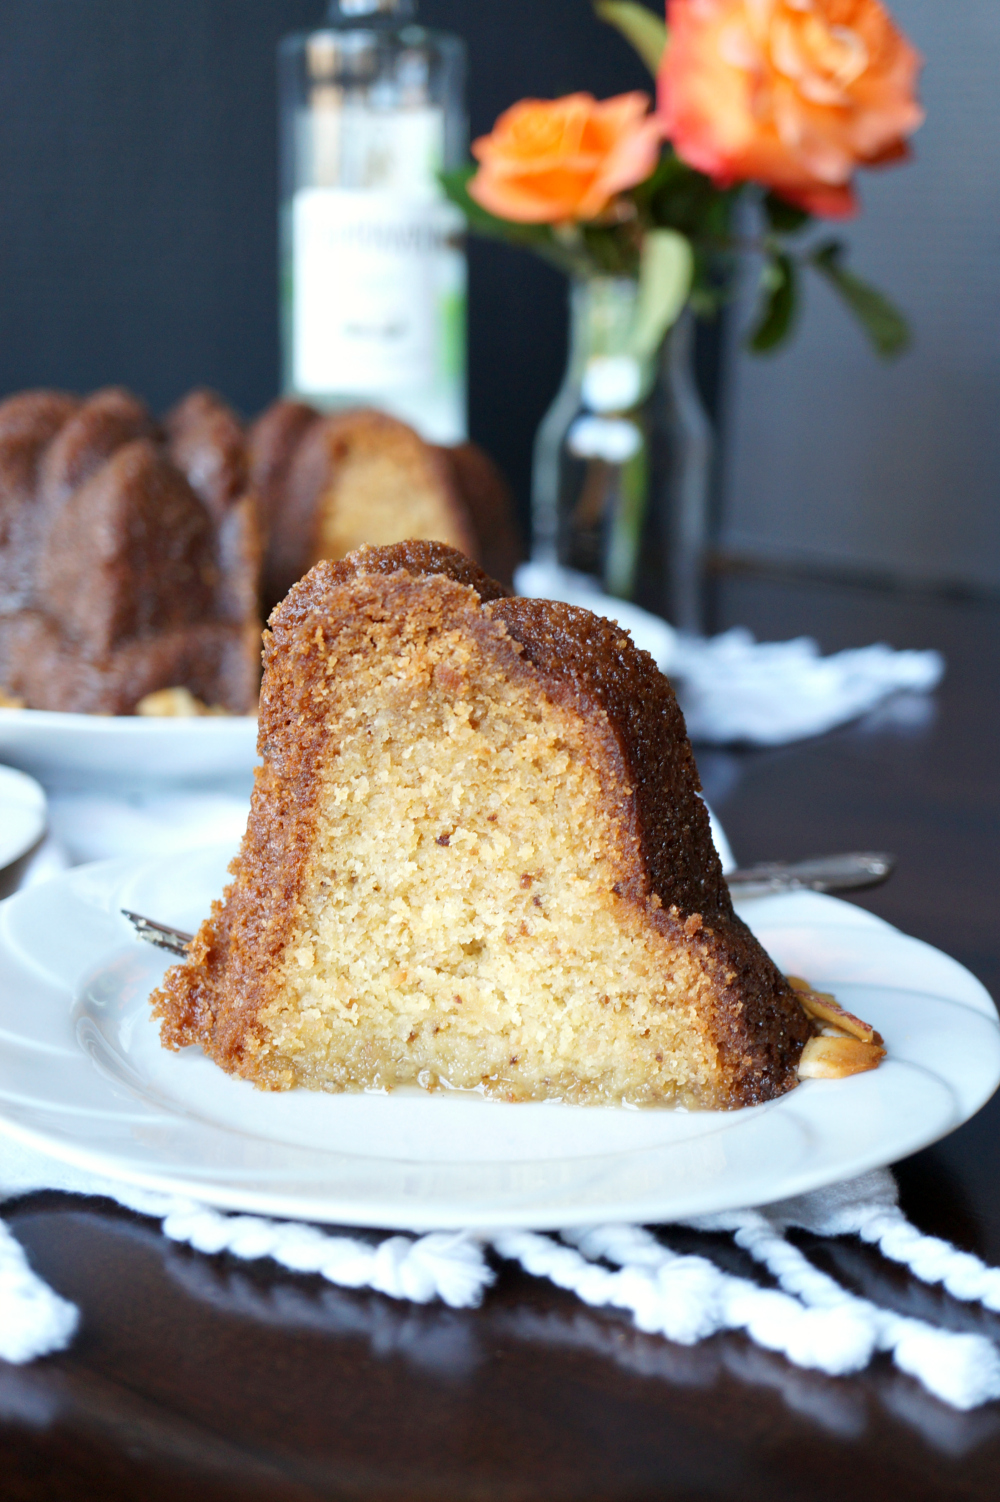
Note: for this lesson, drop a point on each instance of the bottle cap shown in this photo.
(352, 10)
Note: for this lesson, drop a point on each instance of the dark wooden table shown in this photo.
(206, 1378)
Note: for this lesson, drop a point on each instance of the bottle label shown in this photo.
(378, 292)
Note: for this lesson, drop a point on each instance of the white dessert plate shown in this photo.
(66, 750)
(22, 815)
(83, 1077)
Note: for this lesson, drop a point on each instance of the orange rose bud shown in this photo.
(794, 94)
(552, 160)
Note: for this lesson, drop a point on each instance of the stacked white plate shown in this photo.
(22, 815)
(67, 750)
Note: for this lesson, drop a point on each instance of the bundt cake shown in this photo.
(477, 857)
(328, 485)
(129, 555)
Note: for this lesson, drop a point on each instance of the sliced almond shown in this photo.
(825, 1008)
(174, 703)
(835, 1058)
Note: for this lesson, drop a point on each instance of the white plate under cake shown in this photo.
(83, 1076)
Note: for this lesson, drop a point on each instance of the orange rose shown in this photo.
(552, 160)
(794, 94)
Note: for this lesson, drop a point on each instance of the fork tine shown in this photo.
(174, 940)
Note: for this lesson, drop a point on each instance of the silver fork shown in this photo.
(821, 873)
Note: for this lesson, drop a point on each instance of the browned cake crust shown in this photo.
(418, 559)
(216, 662)
(50, 444)
(129, 562)
(673, 877)
(206, 442)
(272, 443)
(98, 427)
(28, 424)
(298, 460)
(130, 553)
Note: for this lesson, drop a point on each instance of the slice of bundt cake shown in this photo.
(331, 484)
(129, 560)
(476, 857)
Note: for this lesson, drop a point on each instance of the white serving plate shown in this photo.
(22, 815)
(83, 1077)
(69, 750)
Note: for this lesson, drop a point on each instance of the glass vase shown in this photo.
(622, 463)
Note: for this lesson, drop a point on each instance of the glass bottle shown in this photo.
(373, 272)
(622, 463)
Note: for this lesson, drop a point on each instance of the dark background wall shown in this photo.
(138, 245)
(138, 196)
(838, 463)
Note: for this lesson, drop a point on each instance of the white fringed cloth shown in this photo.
(795, 1308)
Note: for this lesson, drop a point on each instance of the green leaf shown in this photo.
(668, 171)
(676, 196)
(785, 218)
(666, 267)
(641, 27)
(612, 248)
(884, 324)
(780, 287)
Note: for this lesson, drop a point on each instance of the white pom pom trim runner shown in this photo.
(809, 1317)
